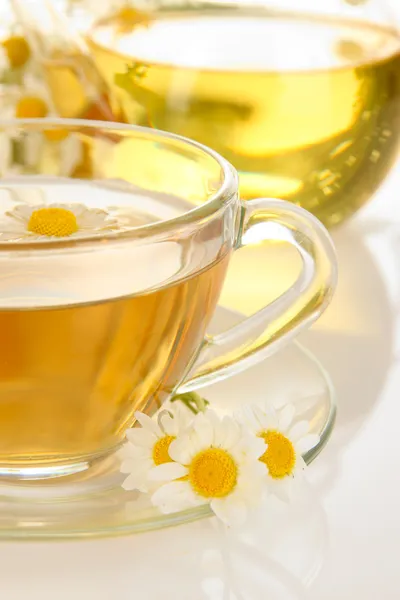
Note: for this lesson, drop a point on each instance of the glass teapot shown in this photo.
(301, 96)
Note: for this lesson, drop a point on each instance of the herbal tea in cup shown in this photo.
(108, 284)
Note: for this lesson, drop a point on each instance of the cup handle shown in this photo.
(269, 329)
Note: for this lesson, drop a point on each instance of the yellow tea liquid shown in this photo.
(306, 108)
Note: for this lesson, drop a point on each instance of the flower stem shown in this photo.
(192, 400)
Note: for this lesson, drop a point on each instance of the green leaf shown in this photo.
(192, 400)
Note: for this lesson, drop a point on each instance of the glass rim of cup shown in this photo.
(223, 196)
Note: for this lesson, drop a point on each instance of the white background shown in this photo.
(359, 474)
(358, 341)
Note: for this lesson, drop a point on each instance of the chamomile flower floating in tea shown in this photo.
(215, 461)
(148, 446)
(54, 221)
(286, 441)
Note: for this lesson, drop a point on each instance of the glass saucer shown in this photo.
(94, 504)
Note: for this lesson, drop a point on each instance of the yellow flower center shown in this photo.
(161, 450)
(279, 457)
(59, 222)
(213, 473)
(129, 17)
(31, 107)
(55, 135)
(17, 50)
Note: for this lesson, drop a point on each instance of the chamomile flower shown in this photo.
(286, 442)
(216, 462)
(33, 100)
(54, 150)
(15, 51)
(148, 445)
(41, 221)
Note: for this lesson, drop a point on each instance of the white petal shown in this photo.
(217, 427)
(259, 413)
(141, 437)
(136, 452)
(286, 417)
(308, 402)
(229, 510)
(76, 208)
(180, 420)
(267, 417)
(250, 485)
(249, 447)
(307, 442)
(136, 467)
(180, 450)
(131, 483)
(91, 220)
(298, 431)
(14, 226)
(148, 423)
(203, 430)
(230, 433)
(194, 499)
(196, 441)
(22, 212)
(10, 237)
(251, 490)
(247, 417)
(128, 465)
(282, 488)
(255, 471)
(167, 472)
(184, 416)
(125, 451)
(171, 497)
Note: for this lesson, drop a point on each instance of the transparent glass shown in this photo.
(111, 316)
(301, 96)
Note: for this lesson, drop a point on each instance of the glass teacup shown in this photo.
(114, 245)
